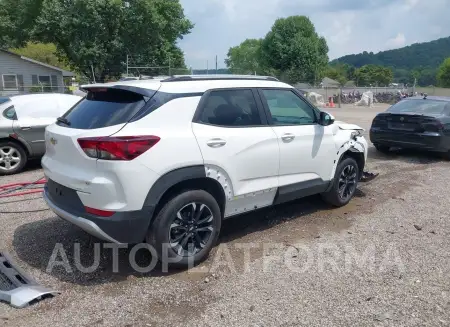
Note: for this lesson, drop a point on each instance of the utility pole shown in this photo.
(216, 64)
(93, 74)
(127, 65)
(169, 68)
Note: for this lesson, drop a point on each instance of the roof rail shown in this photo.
(184, 78)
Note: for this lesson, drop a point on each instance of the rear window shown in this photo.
(103, 108)
(421, 106)
(10, 113)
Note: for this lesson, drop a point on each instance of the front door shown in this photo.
(306, 147)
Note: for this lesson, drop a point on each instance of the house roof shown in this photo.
(302, 86)
(329, 82)
(64, 72)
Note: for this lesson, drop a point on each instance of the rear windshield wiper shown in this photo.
(63, 120)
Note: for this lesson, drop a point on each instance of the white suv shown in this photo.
(166, 161)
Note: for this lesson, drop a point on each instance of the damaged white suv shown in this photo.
(165, 161)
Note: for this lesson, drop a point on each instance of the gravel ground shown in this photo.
(383, 260)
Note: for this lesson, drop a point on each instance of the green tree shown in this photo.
(245, 58)
(43, 52)
(98, 34)
(295, 50)
(336, 74)
(443, 75)
(374, 75)
(17, 21)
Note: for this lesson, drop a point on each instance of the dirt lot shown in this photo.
(383, 260)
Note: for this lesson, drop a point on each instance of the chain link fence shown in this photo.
(31, 89)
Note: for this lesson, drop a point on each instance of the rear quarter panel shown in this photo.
(178, 146)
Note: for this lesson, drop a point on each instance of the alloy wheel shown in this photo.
(10, 158)
(191, 229)
(347, 182)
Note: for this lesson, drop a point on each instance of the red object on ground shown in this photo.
(21, 193)
(11, 190)
(7, 186)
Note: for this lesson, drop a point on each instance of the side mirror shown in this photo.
(326, 119)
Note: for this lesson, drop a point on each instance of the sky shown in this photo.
(349, 26)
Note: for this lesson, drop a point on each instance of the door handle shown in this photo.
(25, 128)
(288, 137)
(216, 143)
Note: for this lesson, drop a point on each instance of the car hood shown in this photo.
(346, 126)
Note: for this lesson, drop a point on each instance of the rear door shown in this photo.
(33, 116)
(233, 135)
(102, 113)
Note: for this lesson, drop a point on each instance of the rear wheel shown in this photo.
(12, 158)
(186, 228)
(382, 148)
(345, 183)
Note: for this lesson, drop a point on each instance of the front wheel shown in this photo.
(186, 228)
(12, 158)
(345, 183)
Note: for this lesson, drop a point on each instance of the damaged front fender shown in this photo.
(348, 139)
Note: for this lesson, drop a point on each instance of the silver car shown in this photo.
(23, 120)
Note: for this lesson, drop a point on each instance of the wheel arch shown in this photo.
(23, 145)
(357, 156)
(182, 179)
(18, 141)
(353, 150)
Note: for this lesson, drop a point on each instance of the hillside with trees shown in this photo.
(428, 54)
(419, 61)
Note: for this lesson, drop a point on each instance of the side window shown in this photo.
(10, 113)
(287, 108)
(230, 108)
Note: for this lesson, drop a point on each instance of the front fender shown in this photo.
(346, 141)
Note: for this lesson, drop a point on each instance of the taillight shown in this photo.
(432, 126)
(379, 120)
(117, 148)
(100, 213)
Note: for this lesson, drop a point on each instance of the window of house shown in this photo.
(231, 108)
(43, 81)
(46, 82)
(10, 82)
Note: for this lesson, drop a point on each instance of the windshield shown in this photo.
(421, 107)
(103, 108)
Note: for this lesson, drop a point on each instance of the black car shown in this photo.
(415, 123)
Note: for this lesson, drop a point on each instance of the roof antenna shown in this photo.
(425, 96)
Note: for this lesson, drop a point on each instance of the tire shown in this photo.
(446, 155)
(382, 148)
(347, 166)
(163, 232)
(13, 158)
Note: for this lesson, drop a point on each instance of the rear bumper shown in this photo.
(424, 141)
(121, 228)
